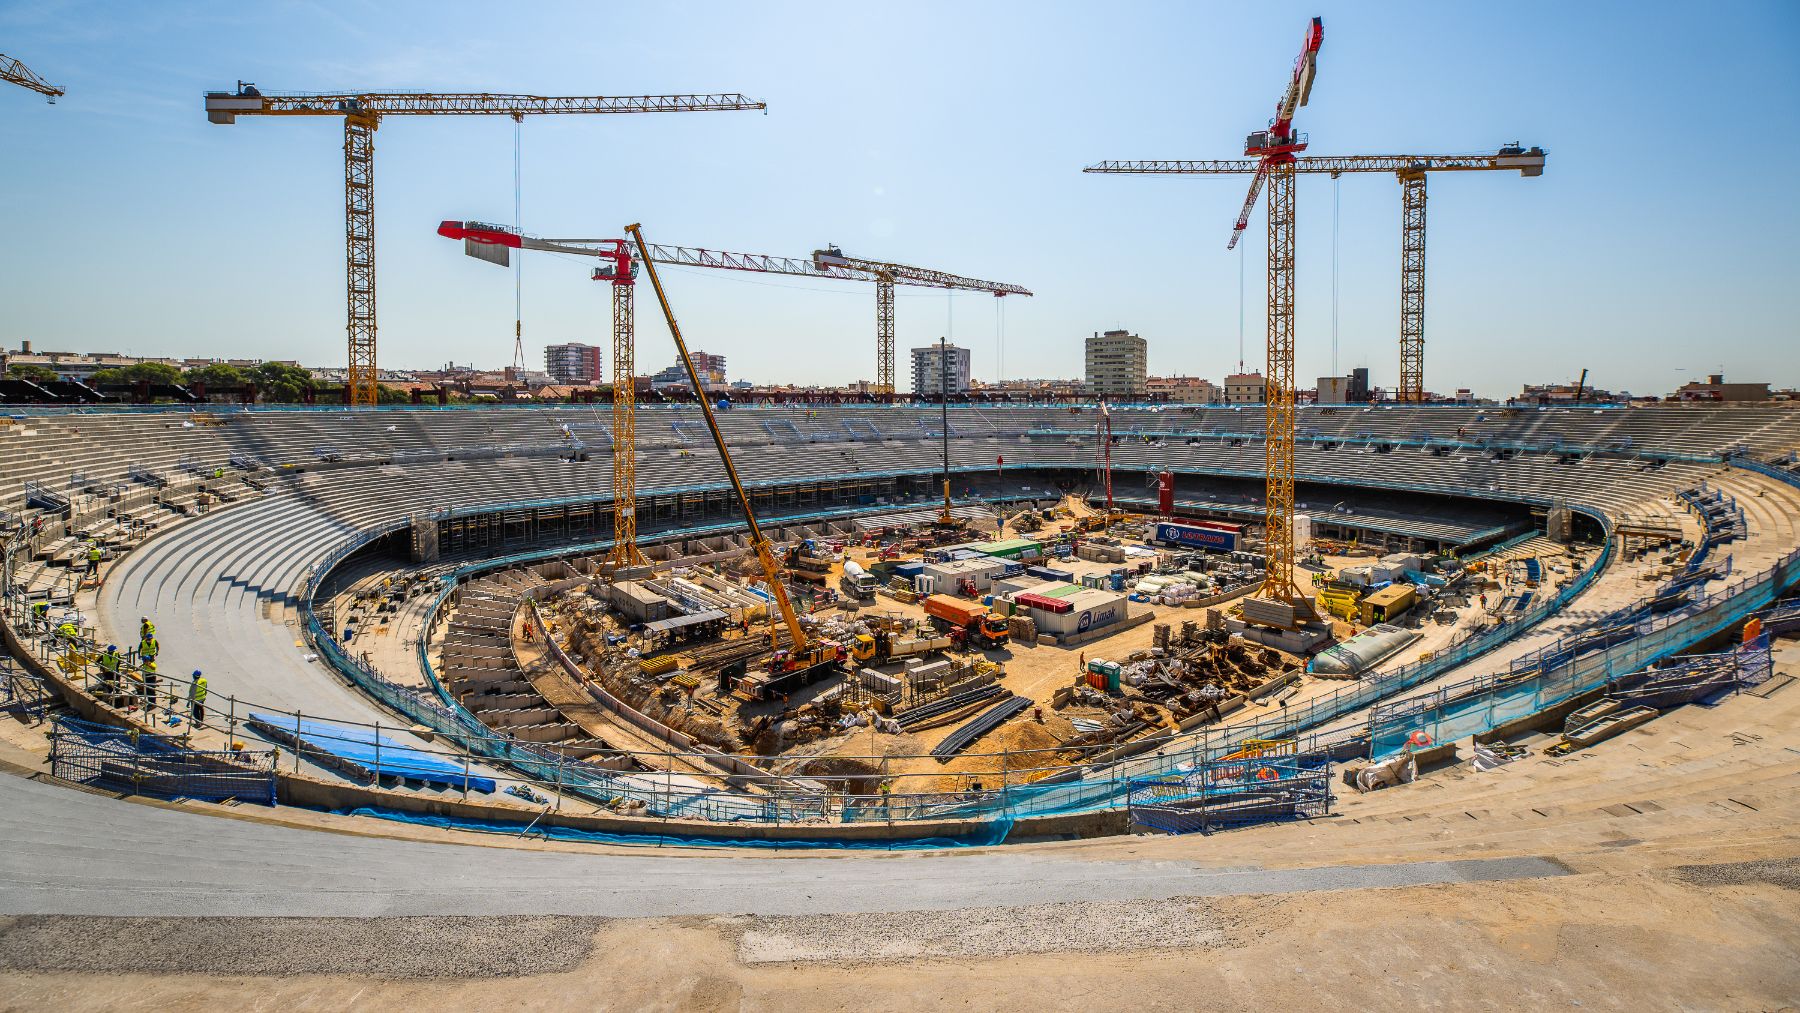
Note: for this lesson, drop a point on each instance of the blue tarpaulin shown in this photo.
(366, 749)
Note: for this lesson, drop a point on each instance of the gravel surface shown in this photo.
(432, 947)
(1782, 872)
(1096, 927)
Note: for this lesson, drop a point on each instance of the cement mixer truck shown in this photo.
(857, 582)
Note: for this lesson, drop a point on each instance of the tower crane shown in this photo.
(886, 276)
(362, 113)
(492, 243)
(1274, 150)
(14, 72)
(829, 263)
(1411, 171)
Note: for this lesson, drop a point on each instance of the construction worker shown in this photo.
(68, 633)
(147, 673)
(93, 559)
(197, 698)
(146, 628)
(148, 648)
(109, 676)
(40, 615)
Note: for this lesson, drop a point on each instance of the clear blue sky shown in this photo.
(1659, 244)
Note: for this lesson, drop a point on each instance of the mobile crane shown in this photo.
(804, 659)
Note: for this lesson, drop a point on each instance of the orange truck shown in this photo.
(976, 623)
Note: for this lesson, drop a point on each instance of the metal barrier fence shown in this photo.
(1232, 792)
(105, 757)
(1482, 704)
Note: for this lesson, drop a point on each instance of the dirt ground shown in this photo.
(1647, 940)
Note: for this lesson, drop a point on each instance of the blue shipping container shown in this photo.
(912, 569)
(1047, 573)
(1191, 537)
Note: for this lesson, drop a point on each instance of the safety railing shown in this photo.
(103, 756)
(1485, 703)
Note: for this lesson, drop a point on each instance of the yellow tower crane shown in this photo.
(362, 112)
(14, 72)
(1411, 171)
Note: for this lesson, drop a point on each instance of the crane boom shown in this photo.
(694, 256)
(828, 263)
(765, 556)
(1527, 162)
(225, 107)
(362, 113)
(1277, 145)
(13, 71)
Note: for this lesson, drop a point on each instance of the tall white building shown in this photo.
(934, 368)
(1116, 364)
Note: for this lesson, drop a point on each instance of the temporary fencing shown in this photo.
(1481, 704)
(1232, 792)
(106, 757)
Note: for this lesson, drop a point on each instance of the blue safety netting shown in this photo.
(988, 833)
(367, 752)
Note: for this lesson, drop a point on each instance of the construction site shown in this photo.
(622, 656)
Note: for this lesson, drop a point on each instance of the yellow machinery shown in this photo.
(1340, 602)
(803, 652)
(362, 113)
(14, 72)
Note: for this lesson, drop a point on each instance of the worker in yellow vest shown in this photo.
(93, 559)
(197, 698)
(147, 673)
(109, 676)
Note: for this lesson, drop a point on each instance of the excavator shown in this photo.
(804, 660)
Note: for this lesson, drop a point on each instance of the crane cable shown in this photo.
(999, 341)
(1336, 182)
(1241, 307)
(518, 262)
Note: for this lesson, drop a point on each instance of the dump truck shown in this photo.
(857, 582)
(881, 646)
(806, 562)
(970, 620)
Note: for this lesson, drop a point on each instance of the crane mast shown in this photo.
(1275, 149)
(362, 113)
